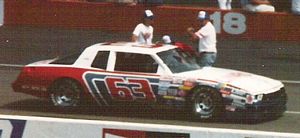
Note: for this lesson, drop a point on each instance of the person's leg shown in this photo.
(228, 4)
(211, 59)
(249, 7)
(296, 12)
(207, 59)
(222, 4)
(244, 3)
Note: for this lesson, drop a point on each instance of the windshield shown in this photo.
(178, 61)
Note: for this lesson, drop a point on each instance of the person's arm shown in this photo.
(149, 40)
(191, 32)
(134, 38)
(135, 33)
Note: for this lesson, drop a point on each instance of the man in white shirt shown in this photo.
(225, 4)
(207, 40)
(143, 32)
(296, 7)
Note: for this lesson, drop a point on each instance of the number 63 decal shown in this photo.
(129, 89)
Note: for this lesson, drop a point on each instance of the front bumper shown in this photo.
(273, 105)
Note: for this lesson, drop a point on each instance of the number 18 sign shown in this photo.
(231, 23)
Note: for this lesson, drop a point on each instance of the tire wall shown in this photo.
(171, 20)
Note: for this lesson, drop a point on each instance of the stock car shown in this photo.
(114, 73)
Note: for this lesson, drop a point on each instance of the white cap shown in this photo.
(148, 14)
(166, 39)
(203, 15)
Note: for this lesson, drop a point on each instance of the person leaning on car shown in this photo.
(207, 40)
(143, 32)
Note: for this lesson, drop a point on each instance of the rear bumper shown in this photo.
(26, 88)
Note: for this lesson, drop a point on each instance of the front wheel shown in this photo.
(206, 103)
(65, 93)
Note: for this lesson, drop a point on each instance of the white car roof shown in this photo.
(130, 47)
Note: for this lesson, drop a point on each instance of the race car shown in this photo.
(115, 73)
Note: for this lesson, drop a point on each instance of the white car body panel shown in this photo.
(251, 83)
(254, 84)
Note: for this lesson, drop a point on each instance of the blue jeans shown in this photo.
(244, 2)
(296, 12)
(207, 59)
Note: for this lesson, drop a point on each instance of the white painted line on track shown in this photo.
(290, 81)
(11, 65)
(292, 112)
(192, 130)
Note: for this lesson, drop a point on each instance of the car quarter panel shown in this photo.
(102, 85)
(36, 80)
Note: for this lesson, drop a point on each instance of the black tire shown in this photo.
(65, 93)
(206, 103)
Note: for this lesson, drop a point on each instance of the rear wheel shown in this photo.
(206, 103)
(65, 93)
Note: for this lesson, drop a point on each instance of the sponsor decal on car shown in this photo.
(105, 88)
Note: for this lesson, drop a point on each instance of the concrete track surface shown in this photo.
(23, 45)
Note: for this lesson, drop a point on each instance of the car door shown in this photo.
(123, 77)
(135, 78)
(94, 78)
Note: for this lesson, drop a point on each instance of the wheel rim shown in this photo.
(65, 96)
(204, 104)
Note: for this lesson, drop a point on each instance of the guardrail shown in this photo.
(34, 127)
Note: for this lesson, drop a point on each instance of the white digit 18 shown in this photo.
(234, 23)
